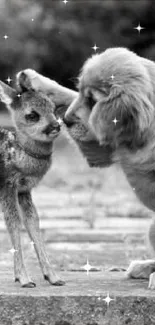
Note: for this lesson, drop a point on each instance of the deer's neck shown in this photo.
(34, 148)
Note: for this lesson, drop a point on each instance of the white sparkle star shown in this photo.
(19, 95)
(60, 121)
(12, 250)
(8, 80)
(139, 28)
(65, 1)
(95, 47)
(32, 19)
(32, 243)
(108, 299)
(87, 267)
(5, 36)
(115, 121)
(112, 77)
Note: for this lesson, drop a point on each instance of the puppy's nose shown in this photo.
(68, 122)
(70, 119)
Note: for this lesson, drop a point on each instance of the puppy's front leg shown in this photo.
(30, 79)
(31, 221)
(152, 281)
(141, 269)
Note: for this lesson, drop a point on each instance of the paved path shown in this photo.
(80, 302)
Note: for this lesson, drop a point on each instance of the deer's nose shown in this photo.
(57, 127)
(52, 127)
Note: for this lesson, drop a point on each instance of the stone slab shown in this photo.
(79, 302)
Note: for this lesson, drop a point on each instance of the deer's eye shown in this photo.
(32, 117)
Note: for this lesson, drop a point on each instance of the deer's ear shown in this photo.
(7, 94)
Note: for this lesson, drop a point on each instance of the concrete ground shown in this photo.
(81, 301)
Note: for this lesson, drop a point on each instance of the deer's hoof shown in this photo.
(57, 282)
(29, 285)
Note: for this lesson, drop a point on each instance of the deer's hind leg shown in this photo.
(12, 218)
(31, 221)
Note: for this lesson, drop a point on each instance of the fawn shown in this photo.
(25, 157)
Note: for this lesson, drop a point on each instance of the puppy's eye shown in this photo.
(32, 117)
(90, 101)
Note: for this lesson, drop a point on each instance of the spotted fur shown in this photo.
(25, 157)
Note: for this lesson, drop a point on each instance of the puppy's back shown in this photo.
(150, 66)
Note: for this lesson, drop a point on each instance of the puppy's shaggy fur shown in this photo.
(120, 85)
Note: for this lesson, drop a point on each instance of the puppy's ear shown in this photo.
(7, 94)
(122, 119)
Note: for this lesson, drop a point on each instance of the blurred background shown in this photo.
(55, 39)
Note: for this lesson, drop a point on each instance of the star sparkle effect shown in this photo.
(139, 28)
(19, 95)
(87, 267)
(107, 299)
(112, 77)
(65, 1)
(115, 121)
(60, 121)
(32, 243)
(5, 37)
(8, 80)
(12, 250)
(95, 48)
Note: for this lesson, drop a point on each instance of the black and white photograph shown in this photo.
(77, 162)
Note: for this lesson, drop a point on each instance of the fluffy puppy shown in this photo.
(116, 105)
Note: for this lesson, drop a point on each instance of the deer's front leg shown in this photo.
(31, 221)
(13, 223)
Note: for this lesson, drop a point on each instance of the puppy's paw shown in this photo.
(152, 281)
(141, 269)
(27, 79)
